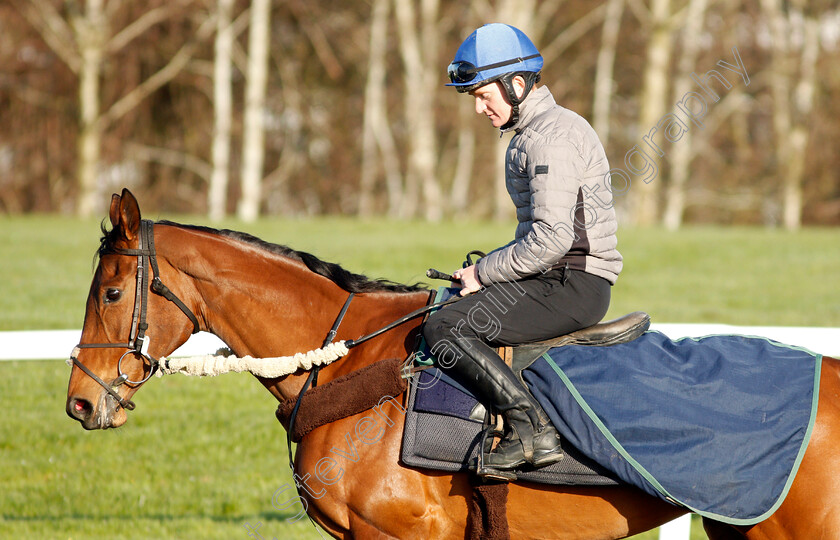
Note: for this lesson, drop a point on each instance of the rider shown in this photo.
(555, 276)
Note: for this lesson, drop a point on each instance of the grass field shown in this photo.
(200, 458)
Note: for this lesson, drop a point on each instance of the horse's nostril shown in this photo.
(79, 409)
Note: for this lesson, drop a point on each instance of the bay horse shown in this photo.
(266, 300)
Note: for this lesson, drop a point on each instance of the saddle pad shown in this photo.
(717, 424)
(440, 435)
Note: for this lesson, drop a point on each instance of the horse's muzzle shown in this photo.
(106, 414)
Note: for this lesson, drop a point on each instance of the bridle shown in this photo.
(138, 342)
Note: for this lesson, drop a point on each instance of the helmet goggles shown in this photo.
(462, 72)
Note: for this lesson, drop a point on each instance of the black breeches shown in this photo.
(525, 311)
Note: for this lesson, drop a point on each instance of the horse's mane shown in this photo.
(350, 282)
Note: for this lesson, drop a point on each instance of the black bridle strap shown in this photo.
(124, 403)
(137, 337)
(313, 376)
(159, 288)
(157, 285)
(313, 373)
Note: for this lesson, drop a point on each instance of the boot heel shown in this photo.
(547, 459)
(547, 447)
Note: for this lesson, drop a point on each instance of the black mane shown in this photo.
(350, 282)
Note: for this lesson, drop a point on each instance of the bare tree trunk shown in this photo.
(83, 45)
(518, 13)
(376, 133)
(682, 152)
(605, 69)
(646, 185)
(427, 158)
(412, 65)
(779, 82)
(419, 55)
(253, 142)
(803, 103)
(791, 126)
(223, 107)
(90, 35)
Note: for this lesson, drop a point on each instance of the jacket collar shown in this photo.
(538, 100)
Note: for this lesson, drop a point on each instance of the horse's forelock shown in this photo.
(107, 241)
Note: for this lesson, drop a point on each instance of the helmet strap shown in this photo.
(507, 84)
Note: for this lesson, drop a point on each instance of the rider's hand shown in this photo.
(469, 280)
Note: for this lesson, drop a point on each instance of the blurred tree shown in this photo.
(377, 139)
(604, 74)
(418, 42)
(795, 53)
(682, 151)
(347, 115)
(82, 38)
(253, 140)
(645, 163)
(222, 109)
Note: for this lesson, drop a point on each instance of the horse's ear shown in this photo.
(125, 215)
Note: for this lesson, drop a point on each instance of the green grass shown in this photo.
(199, 458)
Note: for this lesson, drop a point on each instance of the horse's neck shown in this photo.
(274, 306)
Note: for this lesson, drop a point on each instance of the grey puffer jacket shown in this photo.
(556, 174)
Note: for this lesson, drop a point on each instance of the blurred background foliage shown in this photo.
(355, 118)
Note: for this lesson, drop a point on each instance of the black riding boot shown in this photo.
(530, 438)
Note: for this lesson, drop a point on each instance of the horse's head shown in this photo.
(127, 305)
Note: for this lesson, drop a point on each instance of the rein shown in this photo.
(275, 367)
(413, 315)
(312, 379)
(138, 342)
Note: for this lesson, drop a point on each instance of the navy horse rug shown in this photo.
(717, 424)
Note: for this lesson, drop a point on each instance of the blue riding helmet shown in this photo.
(496, 52)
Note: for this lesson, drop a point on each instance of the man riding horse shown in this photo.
(555, 276)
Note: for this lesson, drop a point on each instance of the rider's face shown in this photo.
(490, 100)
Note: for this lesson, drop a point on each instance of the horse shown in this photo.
(266, 300)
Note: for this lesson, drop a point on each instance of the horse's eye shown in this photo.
(112, 295)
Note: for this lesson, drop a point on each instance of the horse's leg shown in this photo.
(810, 508)
(361, 491)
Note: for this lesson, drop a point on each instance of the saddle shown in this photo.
(613, 332)
(603, 334)
(444, 423)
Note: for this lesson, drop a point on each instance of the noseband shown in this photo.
(138, 342)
